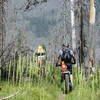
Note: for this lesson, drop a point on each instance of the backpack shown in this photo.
(66, 56)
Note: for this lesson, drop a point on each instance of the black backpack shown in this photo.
(66, 56)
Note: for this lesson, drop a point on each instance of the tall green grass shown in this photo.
(85, 89)
(22, 74)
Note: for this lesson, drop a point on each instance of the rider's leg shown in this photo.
(71, 78)
(62, 77)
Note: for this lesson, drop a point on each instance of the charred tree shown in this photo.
(81, 37)
(2, 32)
(92, 39)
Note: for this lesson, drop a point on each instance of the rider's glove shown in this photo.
(56, 64)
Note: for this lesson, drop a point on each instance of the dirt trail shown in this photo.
(62, 96)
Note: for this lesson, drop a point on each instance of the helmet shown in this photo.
(63, 45)
(40, 49)
(67, 45)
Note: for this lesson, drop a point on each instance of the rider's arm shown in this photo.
(73, 57)
(58, 57)
(74, 60)
(60, 54)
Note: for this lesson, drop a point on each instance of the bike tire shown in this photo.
(67, 83)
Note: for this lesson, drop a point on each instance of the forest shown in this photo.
(33, 33)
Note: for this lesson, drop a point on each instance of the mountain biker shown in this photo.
(40, 58)
(40, 55)
(67, 60)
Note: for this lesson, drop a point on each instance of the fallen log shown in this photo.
(10, 96)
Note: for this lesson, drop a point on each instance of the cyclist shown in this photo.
(66, 55)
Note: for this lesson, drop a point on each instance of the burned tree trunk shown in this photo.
(1, 25)
(91, 41)
(80, 33)
(2, 31)
(82, 36)
(87, 35)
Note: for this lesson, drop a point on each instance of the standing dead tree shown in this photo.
(92, 40)
(73, 24)
(86, 33)
(2, 31)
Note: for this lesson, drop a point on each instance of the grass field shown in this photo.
(29, 86)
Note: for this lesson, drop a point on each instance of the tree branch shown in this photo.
(10, 96)
(31, 3)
